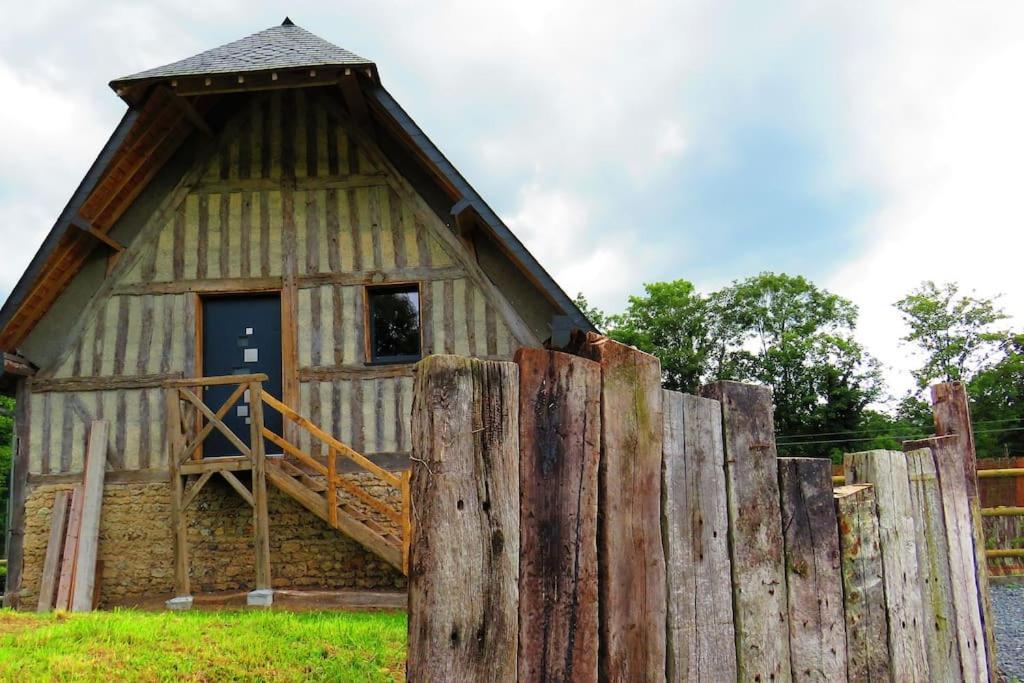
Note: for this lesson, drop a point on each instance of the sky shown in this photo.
(867, 146)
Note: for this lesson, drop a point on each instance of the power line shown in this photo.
(882, 429)
(902, 437)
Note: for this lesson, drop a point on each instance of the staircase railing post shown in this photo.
(332, 486)
(263, 595)
(179, 526)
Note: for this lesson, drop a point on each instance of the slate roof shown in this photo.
(280, 47)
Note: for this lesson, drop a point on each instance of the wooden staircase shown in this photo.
(378, 536)
(312, 479)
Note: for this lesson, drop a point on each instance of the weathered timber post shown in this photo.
(933, 566)
(701, 641)
(82, 592)
(963, 607)
(952, 414)
(179, 524)
(887, 472)
(631, 558)
(464, 490)
(263, 595)
(867, 631)
(814, 584)
(559, 442)
(755, 526)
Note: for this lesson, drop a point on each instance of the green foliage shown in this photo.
(203, 646)
(956, 332)
(6, 431)
(595, 315)
(674, 322)
(997, 403)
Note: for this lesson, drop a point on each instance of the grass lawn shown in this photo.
(203, 646)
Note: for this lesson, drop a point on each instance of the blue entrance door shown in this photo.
(241, 336)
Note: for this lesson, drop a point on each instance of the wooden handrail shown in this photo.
(331, 442)
(338, 479)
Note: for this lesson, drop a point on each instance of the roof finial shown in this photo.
(287, 22)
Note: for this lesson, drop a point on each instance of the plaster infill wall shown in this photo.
(137, 558)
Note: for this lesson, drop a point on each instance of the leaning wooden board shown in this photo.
(54, 547)
(88, 538)
(67, 565)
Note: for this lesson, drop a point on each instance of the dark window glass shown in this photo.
(394, 324)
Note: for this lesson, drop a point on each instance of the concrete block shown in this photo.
(180, 604)
(261, 597)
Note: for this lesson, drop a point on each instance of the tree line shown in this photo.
(785, 332)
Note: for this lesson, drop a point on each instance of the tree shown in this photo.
(785, 332)
(997, 402)
(955, 332)
(672, 321)
(595, 315)
(6, 432)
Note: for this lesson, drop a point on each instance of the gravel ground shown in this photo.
(1008, 606)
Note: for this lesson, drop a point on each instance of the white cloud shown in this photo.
(935, 114)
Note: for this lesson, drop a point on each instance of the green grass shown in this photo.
(247, 645)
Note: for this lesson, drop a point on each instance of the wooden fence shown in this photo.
(573, 521)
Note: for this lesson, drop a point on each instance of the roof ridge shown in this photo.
(278, 47)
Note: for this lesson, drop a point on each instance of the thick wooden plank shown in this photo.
(814, 584)
(92, 503)
(755, 530)
(958, 530)
(76, 384)
(464, 555)
(632, 586)
(867, 630)
(67, 565)
(559, 442)
(952, 413)
(701, 641)
(54, 546)
(179, 523)
(940, 621)
(886, 471)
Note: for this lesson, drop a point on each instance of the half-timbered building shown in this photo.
(240, 288)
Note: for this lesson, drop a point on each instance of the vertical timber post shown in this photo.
(701, 639)
(886, 471)
(464, 555)
(263, 595)
(760, 607)
(17, 493)
(952, 414)
(630, 554)
(867, 631)
(179, 525)
(963, 606)
(933, 563)
(559, 439)
(814, 584)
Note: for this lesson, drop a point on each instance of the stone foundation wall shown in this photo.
(138, 560)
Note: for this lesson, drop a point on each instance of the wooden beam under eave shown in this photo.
(87, 227)
(16, 364)
(190, 112)
(354, 98)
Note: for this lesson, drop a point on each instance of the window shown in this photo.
(394, 323)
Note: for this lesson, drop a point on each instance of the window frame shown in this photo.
(368, 334)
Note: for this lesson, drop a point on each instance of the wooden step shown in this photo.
(386, 546)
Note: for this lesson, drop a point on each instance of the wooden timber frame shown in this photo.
(190, 421)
